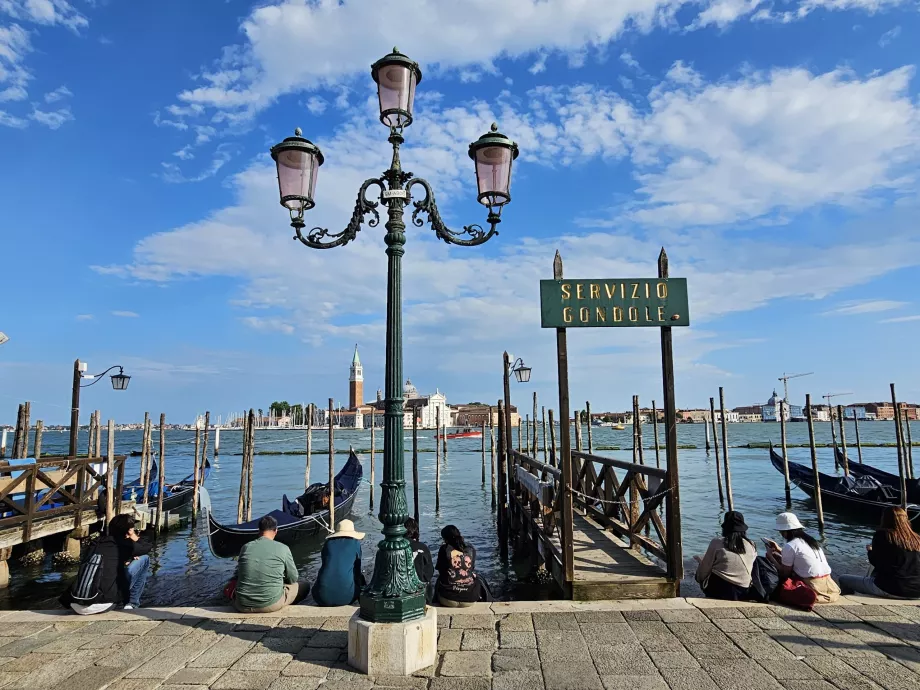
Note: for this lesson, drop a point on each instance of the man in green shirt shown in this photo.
(266, 574)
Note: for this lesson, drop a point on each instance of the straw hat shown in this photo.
(346, 528)
(787, 521)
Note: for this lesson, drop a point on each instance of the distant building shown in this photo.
(695, 416)
(731, 417)
(820, 413)
(427, 406)
(356, 383)
(770, 411)
(751, 417)
(476, 414)
(859, 411)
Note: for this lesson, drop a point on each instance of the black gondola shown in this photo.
(886, 478)
(174, 495)
(227, 540)
(864, 494)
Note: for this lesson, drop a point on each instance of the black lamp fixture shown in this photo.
(521, 371)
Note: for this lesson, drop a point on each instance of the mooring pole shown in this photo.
(814, 462)
(673, 527)
(910, 447)
(437, 461)
(728, 471)
(146, 457)
(306, 476)
(492, 455)
(562, 361)
(715, 446)
(250, 466)
(241, 502)
(415, 462)
(830, 412)
(858, 442)
(590, 436)
(331, 470)
(782, 435)
(160, 524)
(902, 471)
(39, 428)
(655, 432)
(195, 469)
(75, 409)
(843, 441)
(545, 447)
(504, 446)
(482, 440)
(706, 434)
(536, 439)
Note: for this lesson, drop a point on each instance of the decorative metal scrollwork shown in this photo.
(476, 234)
(321, 238)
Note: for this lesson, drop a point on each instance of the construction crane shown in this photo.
(785, 379)
(828, 397)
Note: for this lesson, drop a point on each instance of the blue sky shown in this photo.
(773, 148)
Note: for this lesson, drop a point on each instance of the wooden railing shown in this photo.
(623, 497)
(56, 487)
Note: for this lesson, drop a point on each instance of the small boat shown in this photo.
(174, 495)
(865, 494)
(886, 478)
(619, 427)
(227, 540)
(463, 433)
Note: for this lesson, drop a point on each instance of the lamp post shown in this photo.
(119, 382)
(394, 593)
(522, 374)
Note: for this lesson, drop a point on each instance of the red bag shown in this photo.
(230, 589)
(794, 592)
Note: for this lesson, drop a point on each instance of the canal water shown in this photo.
(185, 572)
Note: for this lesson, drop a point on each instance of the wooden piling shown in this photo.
(565, 462)
(160, 523)
(492, 455)
(373, 454)
(250, 465)
(634, 507)
(91, 436)
(415, 461)
(110, 475)
(715, 445)
(437, 461)
(536, 438)
(590, 433)
(3, 443)
(577, 420)
(706, 434)
(638, 416)
(520, 436)
(910, 447)
(902, 470)
(814, 462)
(146, 457)
(655, 432)
(444, 439)
(217, 440)
(782, 435)
(553, 456)
(39, 428)
(241, 502)
(526, 448)
(843, 441)
(199, 477)
(504, 445)
(543, 424)
(858, 442)
(830, 412)
(331, 470)
(482, 441)
(195, 466)
(728, 471)
(306, 474)
(17, 435)
(98, 433)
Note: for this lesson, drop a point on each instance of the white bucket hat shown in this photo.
(787, 521)
(346, 529)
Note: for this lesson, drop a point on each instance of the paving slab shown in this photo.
(634, 683)
(518, 680)
(688, 679)
(789, 669)
(467, 664)
(269, 661)
(574, 677)
(472, 621)
(505, 660)
(673, 659)
(449, 640)
(245, 680)
(287, 683)
(516, 622)
(194, 676)
(92, 678)
(455, 684)
(476, 640)
(515, 640)
(623, 660)
(555, 621)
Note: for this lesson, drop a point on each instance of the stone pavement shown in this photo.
(681, 644)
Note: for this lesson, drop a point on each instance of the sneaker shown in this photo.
(129, 607)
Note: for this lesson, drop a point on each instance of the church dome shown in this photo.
(410, 391)
(774, 399)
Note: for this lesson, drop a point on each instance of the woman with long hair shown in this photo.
(457, 585)
(895, 555)
(802, 559)
(725, 571)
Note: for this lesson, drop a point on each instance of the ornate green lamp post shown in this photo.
(394, 593)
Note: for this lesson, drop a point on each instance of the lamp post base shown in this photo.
(380, 609)
(393, 649)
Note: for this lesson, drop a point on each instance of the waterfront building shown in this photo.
(859, 410)
(696, 416)
(770, 411)
(427, 406)
(477, 414)
(355, 382)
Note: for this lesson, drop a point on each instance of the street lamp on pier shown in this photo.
(119, 382)
(394, 593)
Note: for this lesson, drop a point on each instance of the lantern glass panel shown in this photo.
(120, 381)
(297, 172)
(493, 174)
(396, 91)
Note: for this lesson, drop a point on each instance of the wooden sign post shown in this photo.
(660, 302)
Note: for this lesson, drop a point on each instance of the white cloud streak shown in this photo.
(870, 306)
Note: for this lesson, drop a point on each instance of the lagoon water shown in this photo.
(185, 573)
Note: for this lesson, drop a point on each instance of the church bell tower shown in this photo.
(356, 383)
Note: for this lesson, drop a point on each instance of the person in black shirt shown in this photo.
(424, 568)
(457, 583)
(895, 555)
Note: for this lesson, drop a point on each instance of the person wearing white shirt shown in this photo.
(802, 558)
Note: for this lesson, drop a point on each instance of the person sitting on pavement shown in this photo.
(895, 555)
(266, 576)
(803, 559)
(114, 572)
(421, 556)
(340, 579)
(724, 572)
(457, 584)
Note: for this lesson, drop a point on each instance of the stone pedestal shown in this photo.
(393, 649)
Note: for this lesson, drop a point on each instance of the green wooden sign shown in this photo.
(614, 303)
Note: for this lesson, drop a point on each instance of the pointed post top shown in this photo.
(557, 266)
(355, 359)
(663, 264)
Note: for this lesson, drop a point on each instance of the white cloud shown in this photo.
(316, 105)
(268, 324)
(902, 319)
(59, 94)
(15, 45)
(85, 317)
(721, 13)
(126, 314)
(47, 12)
(52, 119)
(868, 306)
(7, 120)
(889, 36)
(184, 153)
(173, 174)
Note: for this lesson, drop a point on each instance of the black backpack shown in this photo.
(764, 580)
(85, 588)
